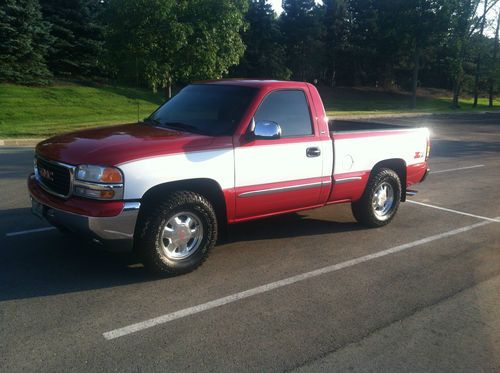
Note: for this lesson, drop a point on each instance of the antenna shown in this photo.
(137, 87)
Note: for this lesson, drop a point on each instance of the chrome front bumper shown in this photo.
(116, 233)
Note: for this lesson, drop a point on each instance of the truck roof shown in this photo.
(256, 83)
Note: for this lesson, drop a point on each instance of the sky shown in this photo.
(277, 5)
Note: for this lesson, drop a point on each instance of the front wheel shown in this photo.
(380, 201)
(176, 236)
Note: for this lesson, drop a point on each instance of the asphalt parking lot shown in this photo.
(311, 291)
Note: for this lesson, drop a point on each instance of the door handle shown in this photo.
(313, 152)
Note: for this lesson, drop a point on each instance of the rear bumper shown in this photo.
(427, 171)
(115, 232)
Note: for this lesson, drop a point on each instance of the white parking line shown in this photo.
(29, 231)
(278, 284)
(455, 211)
(457, 169)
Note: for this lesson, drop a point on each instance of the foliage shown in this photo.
(77, 37)
(179, 41)
(144, 44)
(23, 43)
(392, 44)
(264, 55)
(336, 41)
(303, 30)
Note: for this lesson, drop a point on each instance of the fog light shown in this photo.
(108, 194)
(94, 193)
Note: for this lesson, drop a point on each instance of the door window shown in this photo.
(289, 109)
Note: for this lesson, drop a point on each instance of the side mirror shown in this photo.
(264, 130)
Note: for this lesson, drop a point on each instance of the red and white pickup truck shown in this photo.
(220, 152)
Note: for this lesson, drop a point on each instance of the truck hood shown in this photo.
(109, 146)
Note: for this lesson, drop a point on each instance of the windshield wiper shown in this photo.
(182, 126)
(152, 121)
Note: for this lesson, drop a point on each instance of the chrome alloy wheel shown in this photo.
(181, 236)
(383, 200)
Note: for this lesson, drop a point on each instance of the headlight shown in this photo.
(98, 174)
(98, 182)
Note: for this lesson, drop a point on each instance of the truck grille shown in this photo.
(55, 178)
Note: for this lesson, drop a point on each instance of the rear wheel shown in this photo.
(380, 201)
(176, 236)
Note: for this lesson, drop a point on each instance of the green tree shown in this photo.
(169, 41)
(337, 34)
(303, 32)
(494, 72)
(143, 44)
(377, 39)
(465, 23)
(23, 43)
(482, 23)
(264, 54)
(77, 37)
(214, 42)
(425, 24)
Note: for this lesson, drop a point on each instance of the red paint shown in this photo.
(239, 220)
(319, 109)
(368, 133)
(415, 173)
(281, 200)
(114, 145)
(230, 199)
(76, 205)
(109, 146)
(266, 87)
(350, 191)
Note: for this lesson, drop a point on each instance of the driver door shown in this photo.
(284, 174)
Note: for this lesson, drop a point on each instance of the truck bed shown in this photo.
(335, 125)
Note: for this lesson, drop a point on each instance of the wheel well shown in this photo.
(208, 188)
(399, 167)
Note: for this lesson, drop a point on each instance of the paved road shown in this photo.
(421, 294)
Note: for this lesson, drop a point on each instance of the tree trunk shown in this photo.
(478, 61)
(332, 79)
(494, 64)
(456, 93)
(416, 68)
(168, 89)
(387, 76)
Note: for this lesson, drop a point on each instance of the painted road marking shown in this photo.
(457, 169)
(11, 234)
(496, 220)
(134, 328)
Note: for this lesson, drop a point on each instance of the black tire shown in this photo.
(150, 241)
(364, 210)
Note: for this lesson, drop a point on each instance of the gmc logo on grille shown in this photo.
(46, 174)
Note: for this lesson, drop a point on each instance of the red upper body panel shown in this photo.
(113, 145)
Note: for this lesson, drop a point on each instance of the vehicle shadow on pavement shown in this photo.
(51, 263)
(286, 226)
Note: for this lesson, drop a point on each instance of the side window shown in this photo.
(289, 109)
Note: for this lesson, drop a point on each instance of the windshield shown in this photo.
(208, 109)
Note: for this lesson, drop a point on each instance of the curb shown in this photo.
(19, 142)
